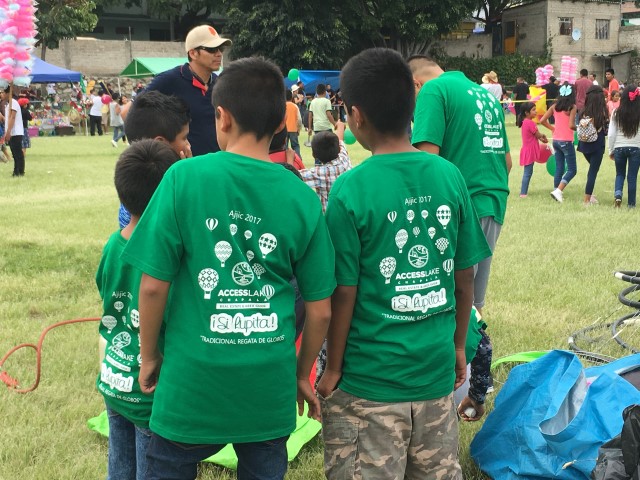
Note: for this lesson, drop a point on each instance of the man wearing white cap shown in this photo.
(193, 82)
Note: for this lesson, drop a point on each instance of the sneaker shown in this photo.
(617, 203)
(523, 195)
(593, 200)
(3, 158)
(114, 143)
(557, 195)
(307, 144)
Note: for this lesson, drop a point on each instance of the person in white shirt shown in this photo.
(95, 114)
(14, 130)
(592, 77)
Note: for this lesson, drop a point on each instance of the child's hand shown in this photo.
(186, 153)
(305, 394)
(329, 382)
(544, 139)
(290, 156)
(461, 368)
(465, 408)
(611, 156)
(149, 373)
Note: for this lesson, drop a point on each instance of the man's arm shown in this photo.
(310, 124)
(464, 299)
(151, 304)
(330, 118)
(314, 333)
(342, 302)
(12, 121)
(428, 147)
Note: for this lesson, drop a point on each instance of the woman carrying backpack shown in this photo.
(592, 129)
(624, 144)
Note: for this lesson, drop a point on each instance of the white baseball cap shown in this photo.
(204, 36)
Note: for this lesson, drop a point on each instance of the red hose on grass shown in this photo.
(12, 383)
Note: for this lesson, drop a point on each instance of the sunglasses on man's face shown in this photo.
(211, 49)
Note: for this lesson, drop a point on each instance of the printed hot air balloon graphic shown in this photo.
(478, 118)
(443, 214)
(233, 228)
(447, 265)
(480, 105)
(135, 318)
(223, 251)
(442, 244)
(424, 214)
(267, 291)
(208, 280)
(242, 274)
(416, 231)
(418, 256)
(109, 322)
(250, 255)
(211, 223)
(121, 340)
(387, 267)
(411, 215)
(258, 269)
(401, 238)
(392, 216)
(267, 243)
(248, 234)
(431, 232)
(118, 306)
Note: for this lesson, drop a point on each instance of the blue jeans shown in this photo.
(622, 156)
(526, 178)
(295, 144)
(169, 460)
(565, 153)
(118, 133)
(127, 448)
(595, 160)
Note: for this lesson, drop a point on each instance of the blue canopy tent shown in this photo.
(311, 79)
(44, 72)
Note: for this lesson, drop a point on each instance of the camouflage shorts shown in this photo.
(367, 440)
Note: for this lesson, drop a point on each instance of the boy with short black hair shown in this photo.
(406, 239)
(159, 117)
(219, 233)
(332, 160)
(138, 173)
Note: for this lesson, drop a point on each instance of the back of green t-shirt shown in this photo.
(229, 233)
(401, 225)
(467, 123)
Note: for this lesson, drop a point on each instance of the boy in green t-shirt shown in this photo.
(219, 232)
(406, 240)
(138, 173)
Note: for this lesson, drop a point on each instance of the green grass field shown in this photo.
(552, 274)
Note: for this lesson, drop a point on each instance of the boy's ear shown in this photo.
(281, 126)
(358, 117)
(224, 119)
(162, 139)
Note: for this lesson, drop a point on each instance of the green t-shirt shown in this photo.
(229, 232)
(401, 225)
(319, 107)
(118, 284)
(467, 123)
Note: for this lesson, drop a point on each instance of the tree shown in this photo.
(306, 34)
(406, 26)
(490, 11)
(62, 19)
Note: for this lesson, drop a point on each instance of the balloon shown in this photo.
(22, 101)
(294, 74)
(349, 137)
(106, 99)
(551, 165)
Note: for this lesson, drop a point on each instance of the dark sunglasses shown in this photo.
(211, 49)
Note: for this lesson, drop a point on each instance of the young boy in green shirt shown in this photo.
(406, 240)
(219, 232)
(138, 173)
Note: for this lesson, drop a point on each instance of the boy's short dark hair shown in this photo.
(292, 169)
(261, 112)
(371, 72)
(139, 171)
(321, 89)
(584, 72)
(325, 146)
(154, 114)
(279, 141)
(610, 70)
(288, 95)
